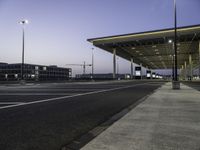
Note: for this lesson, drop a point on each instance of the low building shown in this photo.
(106, 76)
(12, 72)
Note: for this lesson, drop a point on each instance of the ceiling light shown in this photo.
(170, 41)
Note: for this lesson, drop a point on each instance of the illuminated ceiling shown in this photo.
(152, 49)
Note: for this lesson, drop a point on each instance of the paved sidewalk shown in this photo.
(166, 120)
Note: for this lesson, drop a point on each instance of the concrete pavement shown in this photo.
(166, 120)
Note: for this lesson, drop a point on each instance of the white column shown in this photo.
(185, 70)
(141, 69)
(199, 59)
(114, 63)
(190, 64)
(92, 62)
(182, 72)
(131, 68)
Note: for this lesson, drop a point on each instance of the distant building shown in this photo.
(108, 76)
(12, 72)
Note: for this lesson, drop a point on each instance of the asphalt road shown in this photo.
(48, 116)
(193, 84)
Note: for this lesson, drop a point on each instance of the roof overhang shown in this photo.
(152, 49)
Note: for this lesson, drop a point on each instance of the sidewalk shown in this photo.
(166, 120)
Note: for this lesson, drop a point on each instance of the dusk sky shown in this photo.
(58, 30)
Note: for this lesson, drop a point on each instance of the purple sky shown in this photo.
(58, 29)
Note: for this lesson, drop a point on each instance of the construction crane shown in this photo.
(82, 65)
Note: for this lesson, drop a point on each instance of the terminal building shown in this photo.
(154, 50)
(109, 76)
(31, 72)
(106, 76)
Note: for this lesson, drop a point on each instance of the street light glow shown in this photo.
(25, 21)
(170, 41)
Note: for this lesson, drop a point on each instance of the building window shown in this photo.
(44, 68)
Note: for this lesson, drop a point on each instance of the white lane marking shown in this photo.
(37, 94)
(56, 89)
(10, 103)
(63, 97)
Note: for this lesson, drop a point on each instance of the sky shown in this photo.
(58, 30)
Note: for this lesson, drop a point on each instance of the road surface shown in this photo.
(49, 116)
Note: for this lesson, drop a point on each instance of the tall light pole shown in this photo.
(23, 22)
(175, 43)
(175, 83)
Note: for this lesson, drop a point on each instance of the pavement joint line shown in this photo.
(63, 97)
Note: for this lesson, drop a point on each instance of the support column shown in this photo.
(182, 72)
(141, 70)
(114, 63)
(131, 68)
(185, 72)
(190, 64)
(199, 59)
(173, 67)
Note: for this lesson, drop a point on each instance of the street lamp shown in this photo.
(170, 41)
(175, 41)
(176, 83)
(23, 22)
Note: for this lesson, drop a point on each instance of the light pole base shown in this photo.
(175, 85)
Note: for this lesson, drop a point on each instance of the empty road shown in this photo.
(49, 116)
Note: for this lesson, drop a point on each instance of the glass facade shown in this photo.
(33, 72)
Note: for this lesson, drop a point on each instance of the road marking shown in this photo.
(64, 97)
(51, 89)
(10, 103)
(36, 94)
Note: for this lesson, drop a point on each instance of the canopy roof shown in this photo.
(152, 48)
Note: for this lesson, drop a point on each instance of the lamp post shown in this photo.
(175, 43)
(23, 22)
(175, 83)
